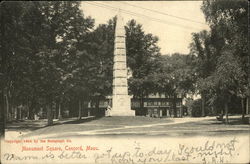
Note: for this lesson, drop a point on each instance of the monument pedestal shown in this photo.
(122, 106)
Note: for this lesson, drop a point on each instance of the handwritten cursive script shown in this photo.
(207, 152)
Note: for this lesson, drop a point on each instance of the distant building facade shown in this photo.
(157, 105)
(153, 105)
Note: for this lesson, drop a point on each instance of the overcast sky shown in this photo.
(174, 32)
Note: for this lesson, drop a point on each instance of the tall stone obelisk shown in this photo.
(121, 102)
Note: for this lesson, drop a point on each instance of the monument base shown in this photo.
(121, 106)
(128, 112)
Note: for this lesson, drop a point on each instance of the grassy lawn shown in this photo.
(205, 128)
(128, 120)
(139, 125)
(98, 124)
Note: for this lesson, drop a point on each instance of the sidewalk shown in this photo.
(174, 121)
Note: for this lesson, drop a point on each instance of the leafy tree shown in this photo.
(13, 47)
(99, 44)
(229, 77)
(175, 77)
(142, 54)
(44, 34)
(222, 52)
(203, 51)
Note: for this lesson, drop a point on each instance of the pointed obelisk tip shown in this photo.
(119, 15)
(119, 23)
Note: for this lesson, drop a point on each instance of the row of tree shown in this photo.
(221, 57)
(217, 67)
(53, 57)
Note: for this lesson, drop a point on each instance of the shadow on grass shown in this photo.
(79, 121)
(160, 135)
(24, 125)
(40, 124)
(70, 125)
(231, 121)
(23, 128)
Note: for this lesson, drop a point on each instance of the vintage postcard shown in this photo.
(124, 82)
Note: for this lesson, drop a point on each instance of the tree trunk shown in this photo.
(20, 113)
(97, 107)
(89, 108)
(242, 108)
(141, 101)
(181, 110)
(31, 110)
(79, 109)
(226, 111)
(203, 100)
(17, 111)
(222, 111)
(247, 105)
(2, 117)
(49, 115)
(88, 114)
(59, 111)
(7, 107)
(11, 109)
(174, 105)
(2, 106)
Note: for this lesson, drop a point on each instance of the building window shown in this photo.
(155, 103)
(178, 104)
(165, 103)
(150, 103)
(101, 103)
(136, 104)
(179, 95)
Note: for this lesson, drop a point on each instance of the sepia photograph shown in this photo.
(125, 82)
